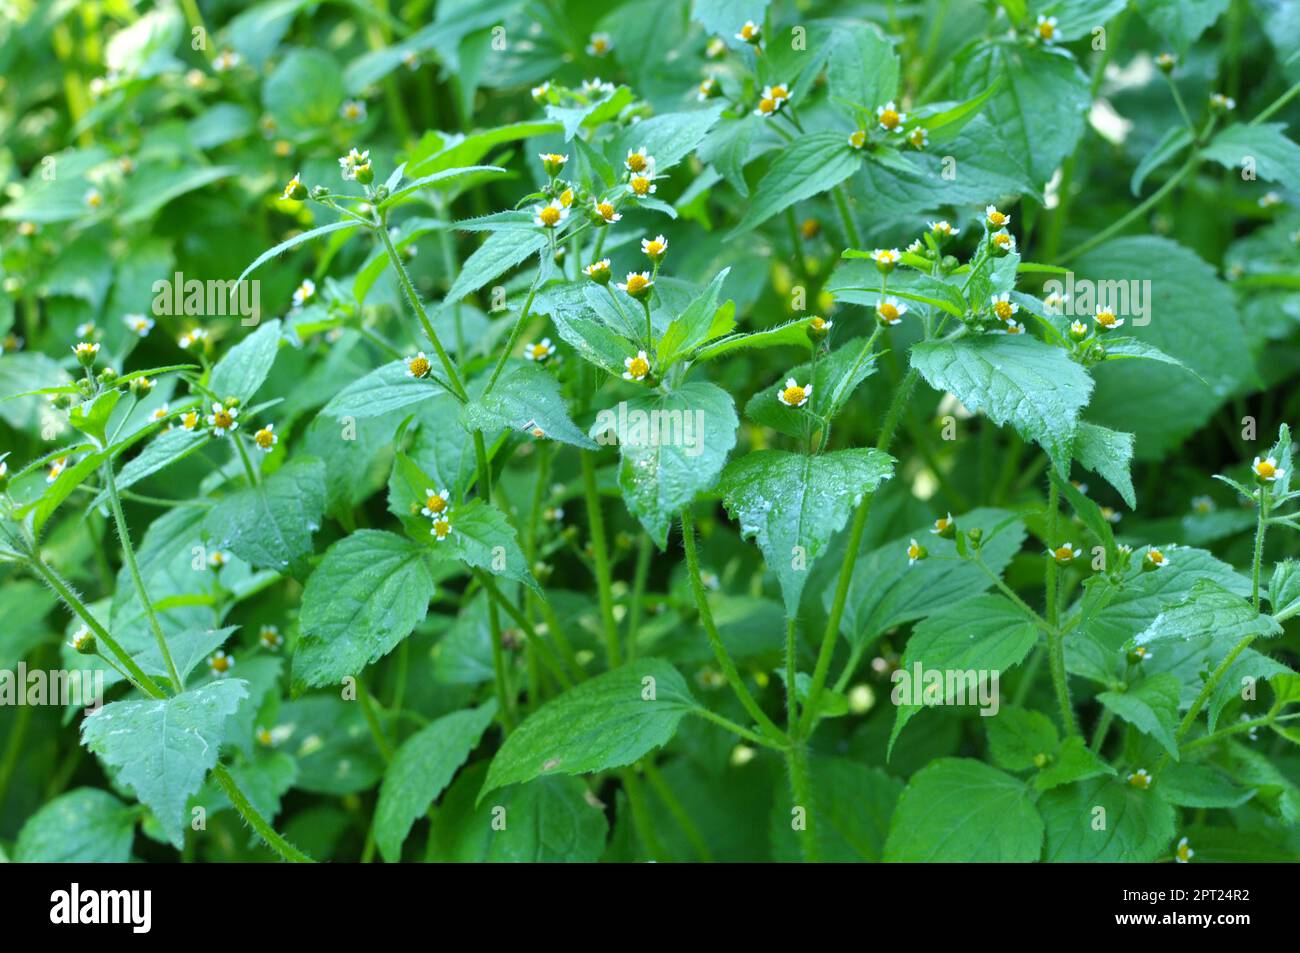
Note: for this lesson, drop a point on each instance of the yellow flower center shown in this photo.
(1105, 318)
(997, 218)
(1140, 780)
(264, 439)
(639, 367)
(599, 45)
(636, 161)
(606, 211)
(1003, 240)
(780, 92)
(640, 185)
(190, 420)
(220, 663)
(748, 31)
(1184, 852)
(818, 323)
(418, 366)
(1065, 554)
(549, 216)
(888, 311)
(1265, 469)
(654, 248)
(540, 352)
(793, 395)
(221, 419)
(1156, 557)
(1046, 30)
(767, 106)
(917, 136)
(441, 528)
(857, 139)
(636, 284)
(566, 197)
(1003, 310)
(913, 551)
(941, 523)
(889, 119)
(435, 504)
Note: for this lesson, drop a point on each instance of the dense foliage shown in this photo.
(693, 430)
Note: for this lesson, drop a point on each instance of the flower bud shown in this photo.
(818, 328)
(83, 641)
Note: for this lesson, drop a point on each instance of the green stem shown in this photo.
(1140, 209)
(796, 760)
(1099, 734)
(255, 820)
(791, 696)
(846, 216)
(372, 721)
(243, 457)
(724, 722)
(128, 556)
(670, 800)
(552, 662)
(514, 333)
(715, 640)
(1055, 638)
(641, 815)
(412, 296)
(1277, 104)
(604, 580)
(827, 651)
(645, 548)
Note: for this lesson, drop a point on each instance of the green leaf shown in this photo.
(246, 365)
(1109, 454)
(1038, 111)
(812, 164)
(1105, 820)
(162, 749)
(1208, 609)
(1175, 140)
(84, 826)
(792, 504)
(1151, 707)
(526, 397)
(863, 67)
(697, 324)
(1193, 318)
(382, 391)
(960, 810)
(371, 589)
(1284, 589)
(607, 722)
(1181, 22)
(482, 537)
(588, 115)
(270, 525)
(551, 820)
(672, 447)
(91, 416)
(1199, 785)
(965, 649)
(1125, 348)
(1018, 736)
(790, 334)
(1073, 762)
(421, 769)
(294, 242)
(434, 178)
(886, 591)
(1015, 379)
(669, 137)
(304, 92)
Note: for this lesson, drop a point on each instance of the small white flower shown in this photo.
(944, 229)
(890, 311)
(1046, 28)
(354, 160)
(1270, 200)
(353, 110)
(750, 32)
(1004, 242)
(304, 292)
(886, 256)
(1266, 469)
(540, 351)
(1141, 778)
(418, 366)
(270, 638)
(1222, 103)
(226, 61)
(441, 529)
(192, 337)
(1063, 554)
(138, 323)
(637, 367)
(606, 211)
(654, 248)
(707, 89)
(995, 218)
(1003, 307)
(220, 664)
(540, 93)
(266, 438)
(550, 215)
(642, 184)
(637, 285)
(792, 395)
(919, 137)
(94, 198)
(222, 419)
(160, 413)
(1202, 505)
(1013, 327)
(599, 45)
(57, 467)
(435, 502)
(889, 117)
(1106, 319)
(1184, 852)
(915, 552)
